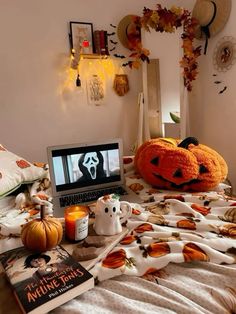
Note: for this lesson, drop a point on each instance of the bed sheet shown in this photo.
(184, 288)
(179, 256)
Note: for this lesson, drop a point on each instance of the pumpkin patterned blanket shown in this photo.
(180, 252)
(172, 227)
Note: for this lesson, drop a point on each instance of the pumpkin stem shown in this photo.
(187, 141)
(42, 212)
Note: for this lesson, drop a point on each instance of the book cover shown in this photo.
(106, 43)
(43, 281)
(102, 42)
(97, 41)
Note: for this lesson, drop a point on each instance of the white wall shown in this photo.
(36, 109)
(213, 115)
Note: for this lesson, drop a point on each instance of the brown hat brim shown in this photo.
(223, 8)
(128, 33)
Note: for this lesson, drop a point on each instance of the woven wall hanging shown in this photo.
(121, 84)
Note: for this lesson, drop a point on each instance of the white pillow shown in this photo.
(15, 171)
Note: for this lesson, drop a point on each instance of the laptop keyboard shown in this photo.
(89, 196)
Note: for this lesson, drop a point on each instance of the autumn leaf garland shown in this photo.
(168, 20)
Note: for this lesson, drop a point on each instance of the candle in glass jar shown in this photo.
(76, 222)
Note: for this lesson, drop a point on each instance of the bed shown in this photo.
(178, 257)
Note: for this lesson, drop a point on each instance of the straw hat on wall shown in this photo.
(128, 33)
(212, 16)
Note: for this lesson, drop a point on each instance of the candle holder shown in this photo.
(76, 223)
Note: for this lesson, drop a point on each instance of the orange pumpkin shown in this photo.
(187, 165)
(22, 163)
(186, 224)
(115, 259)
(201, 209)
(42, 234)
(228, 230)
(136, 211)
(158, 249)
(192, 252)
(128, 239)
(152, 274)
(143, 227)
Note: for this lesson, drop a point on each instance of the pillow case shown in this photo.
(15, 170)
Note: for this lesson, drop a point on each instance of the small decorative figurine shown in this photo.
(110, 213)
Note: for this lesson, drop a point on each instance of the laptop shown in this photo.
(81, 173)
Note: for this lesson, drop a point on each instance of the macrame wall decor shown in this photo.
(121, 84)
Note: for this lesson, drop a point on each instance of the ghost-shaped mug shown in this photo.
(110, 213)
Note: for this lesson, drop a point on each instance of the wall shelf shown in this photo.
(93, 56)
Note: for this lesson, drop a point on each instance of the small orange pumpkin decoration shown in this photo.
(180, 165)
(42, 234)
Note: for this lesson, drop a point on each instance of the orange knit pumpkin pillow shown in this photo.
(180, 165)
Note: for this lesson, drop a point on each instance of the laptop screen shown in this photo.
(85, 167)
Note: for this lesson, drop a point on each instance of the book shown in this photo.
(106, 43)
(101, 42)
(44, 281)
(97, 42)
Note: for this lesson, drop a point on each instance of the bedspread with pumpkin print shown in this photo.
(167, 227)
(178, 257)
(172, 227)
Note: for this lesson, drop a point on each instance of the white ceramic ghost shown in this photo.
(110, 213)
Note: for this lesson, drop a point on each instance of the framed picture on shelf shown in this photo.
(81, 37)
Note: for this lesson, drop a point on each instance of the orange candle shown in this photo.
(76, 222)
